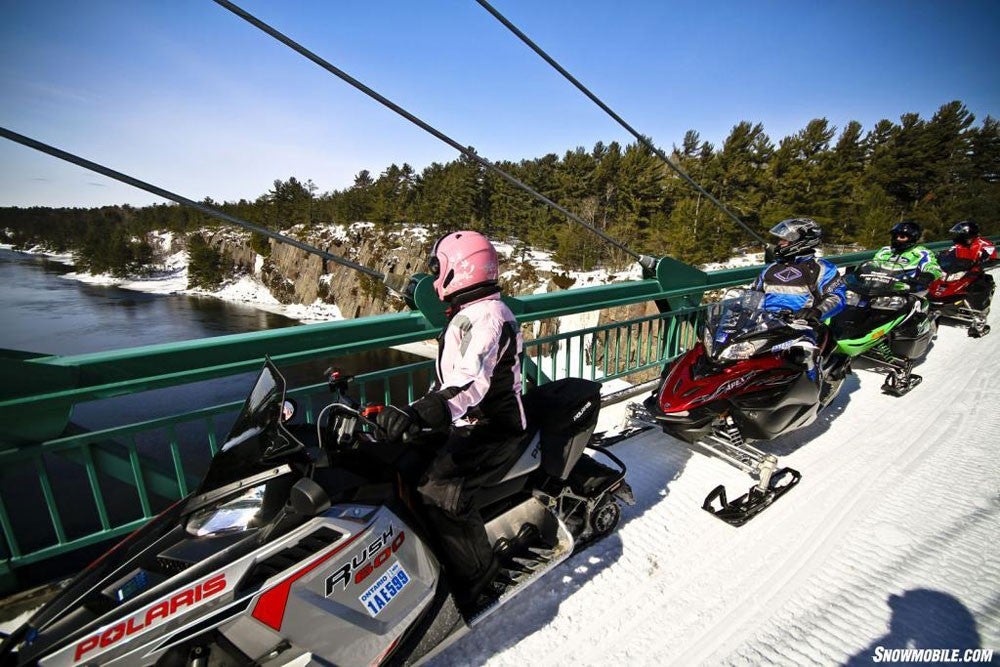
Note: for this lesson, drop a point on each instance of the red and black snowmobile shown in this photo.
(755, 375)
(963, 293)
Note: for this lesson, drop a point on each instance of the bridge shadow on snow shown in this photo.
(923, 619)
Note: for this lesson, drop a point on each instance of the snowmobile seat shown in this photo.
(566, 413)
(561, 416)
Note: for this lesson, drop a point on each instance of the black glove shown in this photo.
(398, 423)
(810, 315)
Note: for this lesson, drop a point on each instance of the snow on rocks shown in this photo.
(170, 277)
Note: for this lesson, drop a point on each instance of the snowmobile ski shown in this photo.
(739, 511)
(726, 443)
(898, 383)
(603, 440)
(978, 332)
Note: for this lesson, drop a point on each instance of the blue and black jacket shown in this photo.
(802, 282)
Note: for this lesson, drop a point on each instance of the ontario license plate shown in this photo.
(381, 593)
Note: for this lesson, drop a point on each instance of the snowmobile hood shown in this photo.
(180, 548)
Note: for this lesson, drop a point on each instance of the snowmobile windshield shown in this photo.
(870, 279)
(256, 438)
(733, 326)
(949, 263)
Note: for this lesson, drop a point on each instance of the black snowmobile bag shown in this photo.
(566, 413)
(909, 345)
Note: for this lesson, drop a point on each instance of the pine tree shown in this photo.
(740, 179)
(800, 174)
(846, 168)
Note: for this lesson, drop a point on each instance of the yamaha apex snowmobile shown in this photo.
(887, 321)
(755, 375)
(963, 294)
(303, 542)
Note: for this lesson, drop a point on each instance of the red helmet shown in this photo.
(461, 260)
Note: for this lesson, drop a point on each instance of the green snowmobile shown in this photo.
(887, 321)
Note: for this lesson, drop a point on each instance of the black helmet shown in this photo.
(802, 234)
(904, 235)
(964, 231)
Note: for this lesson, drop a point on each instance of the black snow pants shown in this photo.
(468, 460)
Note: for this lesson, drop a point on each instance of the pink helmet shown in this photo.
(461, 260)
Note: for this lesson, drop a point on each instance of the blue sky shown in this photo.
(186, 95)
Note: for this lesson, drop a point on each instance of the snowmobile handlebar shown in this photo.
(343, 425)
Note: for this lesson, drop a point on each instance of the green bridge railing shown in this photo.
(101, 485)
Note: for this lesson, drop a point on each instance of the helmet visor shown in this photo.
(786, 231)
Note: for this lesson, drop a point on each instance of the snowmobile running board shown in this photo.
(754, 501)
(553, 545)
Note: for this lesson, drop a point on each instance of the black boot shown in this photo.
(479, 594)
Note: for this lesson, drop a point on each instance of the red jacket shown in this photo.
(979, 250)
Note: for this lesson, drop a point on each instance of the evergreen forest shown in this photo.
(856, 183)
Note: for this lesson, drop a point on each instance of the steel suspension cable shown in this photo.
(166, 194)
(467, 151)
(640, 138)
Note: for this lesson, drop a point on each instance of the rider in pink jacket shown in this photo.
(477, 393)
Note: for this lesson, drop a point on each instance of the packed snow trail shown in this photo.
(889, 541)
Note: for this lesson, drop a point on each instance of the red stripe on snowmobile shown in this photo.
(270, 607)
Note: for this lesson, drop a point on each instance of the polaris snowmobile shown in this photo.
(963, 294)
(303, 542)
(888, 322)
(755, 375)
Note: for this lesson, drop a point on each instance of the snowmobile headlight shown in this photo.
(853, 298)
(232, 516)
(888, 302)
(742, 350)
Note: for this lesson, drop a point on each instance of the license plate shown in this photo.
(382, 592)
